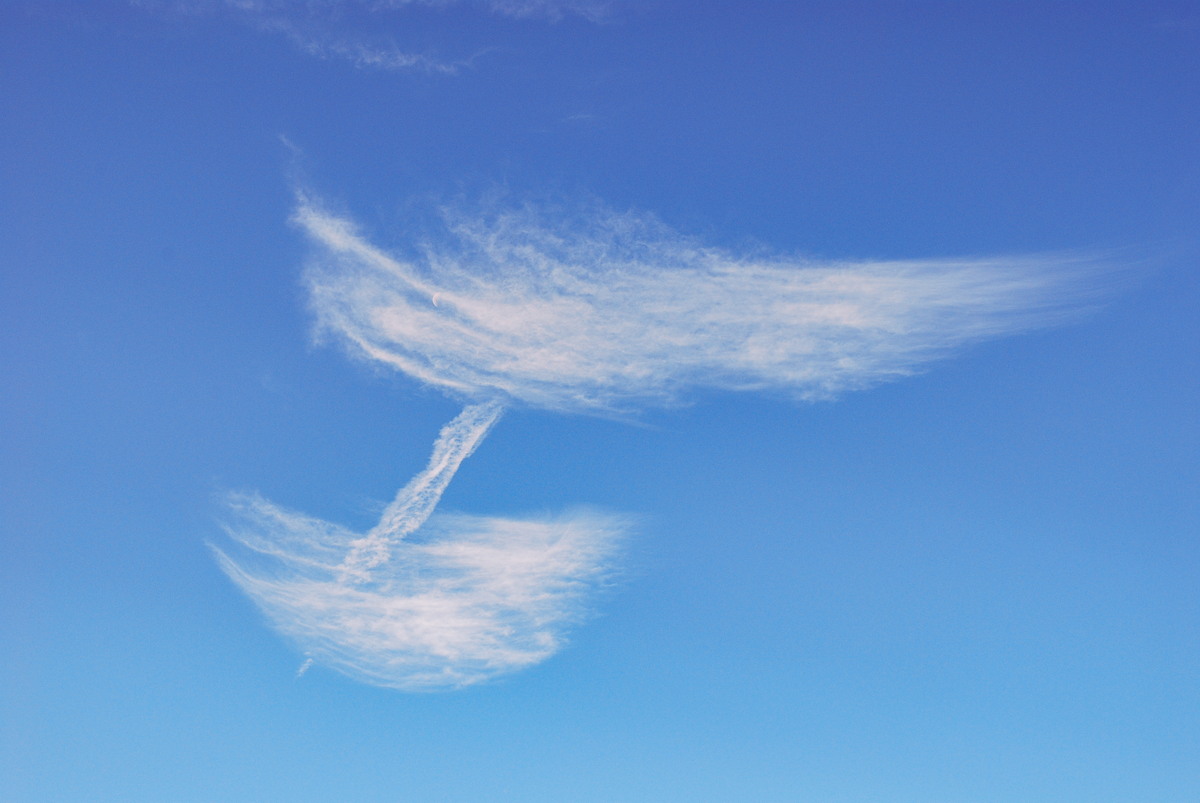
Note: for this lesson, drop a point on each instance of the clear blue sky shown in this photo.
(976, 582)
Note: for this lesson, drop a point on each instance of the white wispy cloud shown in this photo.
(594, 312)
(361, 50)
(607, 312)
(593, 10)
(422, 601)
(362, 32)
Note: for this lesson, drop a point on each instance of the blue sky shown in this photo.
(831, 377)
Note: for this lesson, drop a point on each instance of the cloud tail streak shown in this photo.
(416, 501)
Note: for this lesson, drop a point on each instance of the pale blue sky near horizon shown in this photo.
(976, 583)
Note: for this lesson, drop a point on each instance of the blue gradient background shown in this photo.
(979, 584)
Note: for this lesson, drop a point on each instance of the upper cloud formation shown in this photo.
(606, 312)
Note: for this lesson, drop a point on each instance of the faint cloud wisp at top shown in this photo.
(357, 31)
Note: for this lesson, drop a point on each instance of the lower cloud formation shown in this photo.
(443, 601)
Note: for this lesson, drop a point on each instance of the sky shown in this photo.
(599, 401)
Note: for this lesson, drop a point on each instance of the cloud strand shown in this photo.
(416, 501)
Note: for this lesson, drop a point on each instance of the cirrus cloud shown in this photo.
(423, 601)
(364, 32)
(600, 313)
(610, 312)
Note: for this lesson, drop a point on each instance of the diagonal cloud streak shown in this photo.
(416, 501)
(467, 599)
(612, 313)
